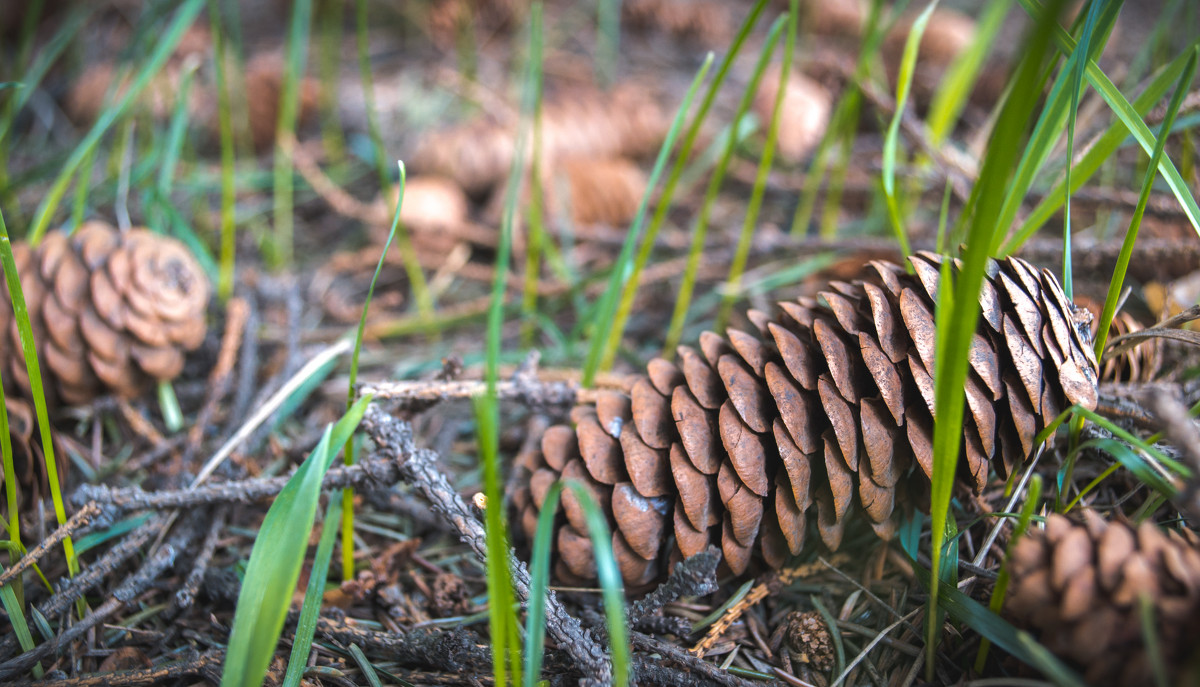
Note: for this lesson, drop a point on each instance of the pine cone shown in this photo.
(575, 124)
(805, 114)
(833, 398)
(110, 311)
(1077, 586)
(708, 20)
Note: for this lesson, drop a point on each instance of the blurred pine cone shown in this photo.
(110, 312)
(710, 21)
(576, 124)
(1077, 586)
(828, 406)
(805, 114)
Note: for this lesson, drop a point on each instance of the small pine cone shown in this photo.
(1077, 587)
(606, 191)
(575, 124)
(947, 34)
(706, 20)
(110, 311)
(827, 408)
(805, 114)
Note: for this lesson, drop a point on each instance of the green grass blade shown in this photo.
(1130, 118)
(37, 390)
(502, 620)
(359, 334)
(1051, 121)
(1117, 283)
(1032, 499)
(329, 40)
(12, 606)
(276, 559)
(362, 43)
(536, 234)
(1099, 152)
(228, 156)
(606, 569)
(310, 610)
(891, 142)
(607, 305)
(625, 307)
(1019, 643)
(699, 233)
(955, 88)
(956, 329)
(1082, 49)
(608, 40)
(184, 17)
(280, 246)
(742, 252)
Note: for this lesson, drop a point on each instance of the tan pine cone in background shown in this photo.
(1077, 586)
(110, 311)
(710, 21)
(577, 124)
(842, 18)
(805, 115)
(606, 191)
(827, 408)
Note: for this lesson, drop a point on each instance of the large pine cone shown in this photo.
(1077, 586)
(110, 312)
(833, 398)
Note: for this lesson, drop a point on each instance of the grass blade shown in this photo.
(225, 134)
(687, 285)
(1117, 283)
(279, 247)
(954, 90)
(1098, 153)
(738, 265)
(956, 327)
(606, 307)
(503, 623)
(348, 492)
(276, 559)
(1000, 632)
(606, 570)
(1132, 121)
(908, 65)
(184, 17)
(621, 317)
(310, 610)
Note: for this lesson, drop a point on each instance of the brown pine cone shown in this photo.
(576, 124)
(1077, 587)
(110, 312)
(829, 406)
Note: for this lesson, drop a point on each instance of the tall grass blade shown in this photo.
(280, 246)
(1019, 643)
(310, 610)
(362, 43)
(536, 236)
(608, 40)
(1032, 498)
(502, 619)
(1052, 120)
(955, 330)
(1097, 154)
(742, 252)
(1117, 283)
(1082, 50)
(891, 141)
(359, 334)
(607, 305)
(184, 17)
(606, 570)
(699, 233)
(276, 558)
(225, 134)
(625, 307)
(37, 389)
(955, 88)
(16, 616)
(1098, 80)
